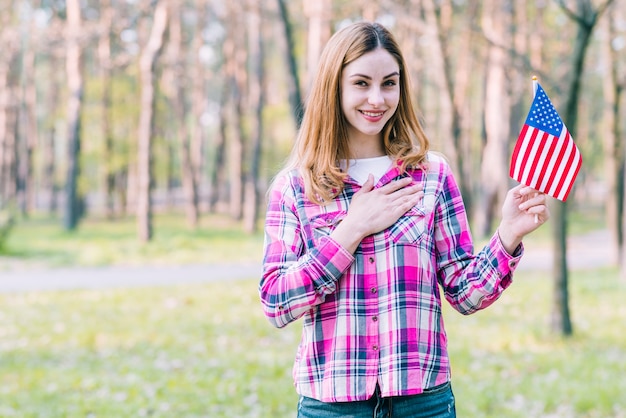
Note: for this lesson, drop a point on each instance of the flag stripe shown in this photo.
(528, 154)
(538, 164)
(555, 171)
(567, 180)
(573, 174)
(549, 158)
(517, 162)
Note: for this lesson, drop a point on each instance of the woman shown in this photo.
(364, 227)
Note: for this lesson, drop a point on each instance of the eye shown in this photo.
(390, 83)
(361, 83)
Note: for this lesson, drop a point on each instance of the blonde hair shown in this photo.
(322, 140)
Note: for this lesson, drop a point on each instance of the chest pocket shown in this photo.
(411, 227)
(324, 224)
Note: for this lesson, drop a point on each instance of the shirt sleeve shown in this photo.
(471, 282)
(295, 278)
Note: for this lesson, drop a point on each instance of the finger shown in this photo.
(527, 190)
(538, 199)
(396, 185)
(368, 185)
(407, 201)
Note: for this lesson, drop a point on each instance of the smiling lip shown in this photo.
(372, 116)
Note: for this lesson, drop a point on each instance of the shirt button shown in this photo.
(375, 347)
(374, 318)
(373, 290)
(281, 307)
(371, 259)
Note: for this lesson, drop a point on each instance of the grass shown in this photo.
(190, 351)
(507, 363)
(207, 351)
(99, 242)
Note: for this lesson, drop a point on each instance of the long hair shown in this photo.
(322, 140)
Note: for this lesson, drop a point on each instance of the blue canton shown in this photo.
(543, 115)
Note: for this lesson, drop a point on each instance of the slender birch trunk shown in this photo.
(147, 64)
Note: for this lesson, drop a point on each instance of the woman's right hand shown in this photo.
(373, 210)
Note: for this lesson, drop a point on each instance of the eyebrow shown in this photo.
(395, 73)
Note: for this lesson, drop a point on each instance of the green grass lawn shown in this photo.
(207, 351)
(99, 242)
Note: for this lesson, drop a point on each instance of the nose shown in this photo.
(375, 97)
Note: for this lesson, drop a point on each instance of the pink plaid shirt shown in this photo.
(374, 317)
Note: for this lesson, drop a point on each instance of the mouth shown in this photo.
(372, 116)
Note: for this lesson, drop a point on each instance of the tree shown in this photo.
(613, 148)
(497, 21)
(236, 57)
(147, 63)
(318, 32)
(178, 97)
(293, 86)
(586, 18)
(104, 56)
(73, 206)
(256, 101)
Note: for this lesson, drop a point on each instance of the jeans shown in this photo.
(437, 402)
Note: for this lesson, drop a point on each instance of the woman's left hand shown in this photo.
(524, 210)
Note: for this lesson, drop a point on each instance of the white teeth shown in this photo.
(371, 114)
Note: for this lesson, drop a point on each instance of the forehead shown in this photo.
(376, 61)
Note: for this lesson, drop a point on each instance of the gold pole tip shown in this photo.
(534, 78)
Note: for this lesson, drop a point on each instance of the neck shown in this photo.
(366, 148)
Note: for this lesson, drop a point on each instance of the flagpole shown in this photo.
(535, 83)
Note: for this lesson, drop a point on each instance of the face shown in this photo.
(370, 91)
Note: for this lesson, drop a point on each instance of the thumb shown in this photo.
(369, 183)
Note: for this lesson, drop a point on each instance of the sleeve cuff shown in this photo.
(506, 263)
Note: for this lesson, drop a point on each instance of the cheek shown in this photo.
(393, 102)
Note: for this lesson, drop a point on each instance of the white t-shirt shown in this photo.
(361, 168)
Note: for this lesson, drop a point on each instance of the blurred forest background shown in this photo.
(116, 116)
(124, 108)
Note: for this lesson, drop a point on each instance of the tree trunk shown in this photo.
(441, 72)
(494, 167)
(613, 153)
(178, 67)
(28, 132)
(147, 66)
(73, 207)
(318, 14)
(198, 105)
(4, 131)
(218, 177)
(8, 131)
(586, 18)
(104, 55)
(293, 82)
(256, 101)
(235, 53)
(48, 184)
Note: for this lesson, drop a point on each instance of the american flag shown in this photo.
(545, 155)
